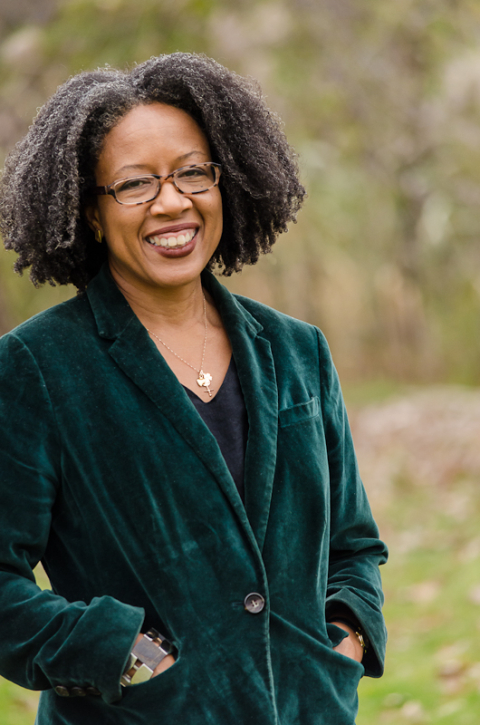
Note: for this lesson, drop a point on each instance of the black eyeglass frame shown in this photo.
(110, 189)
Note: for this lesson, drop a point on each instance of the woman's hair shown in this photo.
(47, 176)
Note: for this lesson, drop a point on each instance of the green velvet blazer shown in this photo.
(109, 476)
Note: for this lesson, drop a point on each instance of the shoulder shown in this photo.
(277, 326)
(272, 319)
(299, 349)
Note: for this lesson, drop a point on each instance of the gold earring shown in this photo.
(98, 236)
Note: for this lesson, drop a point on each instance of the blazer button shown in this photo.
(93, 692)
(62, 691)
(78, 692)
(254, 603)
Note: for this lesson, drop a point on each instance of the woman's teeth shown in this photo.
(172, 241)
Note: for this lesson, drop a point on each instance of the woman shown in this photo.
(179, 458)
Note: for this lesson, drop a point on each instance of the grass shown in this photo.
(432, 590)
(17, 706)
(432, 669)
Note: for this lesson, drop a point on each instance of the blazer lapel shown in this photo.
(136, 354)
(256, 371)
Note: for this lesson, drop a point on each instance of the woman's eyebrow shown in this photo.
(141, 167)
(130, 167)
(196, 152)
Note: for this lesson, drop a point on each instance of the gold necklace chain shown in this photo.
(204, 379)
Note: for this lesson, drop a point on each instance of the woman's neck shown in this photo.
(160, 307)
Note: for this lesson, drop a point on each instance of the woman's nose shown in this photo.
(170, 201)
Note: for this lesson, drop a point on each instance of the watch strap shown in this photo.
(145, 657)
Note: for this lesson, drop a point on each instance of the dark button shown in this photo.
(93, 692)
(62, 691)
(254, 603)
(77, 692)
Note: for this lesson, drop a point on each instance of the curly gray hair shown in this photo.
(47, 176)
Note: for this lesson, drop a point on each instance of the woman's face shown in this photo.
(156, 139)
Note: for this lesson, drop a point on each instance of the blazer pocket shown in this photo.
(299, 413)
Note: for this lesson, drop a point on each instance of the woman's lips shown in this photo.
(172, 239)
(174, 244)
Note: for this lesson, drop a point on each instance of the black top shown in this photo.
(226, 417)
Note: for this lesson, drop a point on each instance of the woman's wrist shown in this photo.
(355, 646)
(344, 618)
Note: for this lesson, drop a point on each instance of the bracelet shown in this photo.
(362, 639)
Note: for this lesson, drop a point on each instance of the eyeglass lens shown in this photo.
(190, 179)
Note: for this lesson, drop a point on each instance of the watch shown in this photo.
(145, 657)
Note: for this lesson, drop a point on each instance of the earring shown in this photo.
(98, 236)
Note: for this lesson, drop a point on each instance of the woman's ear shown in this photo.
(91, 214)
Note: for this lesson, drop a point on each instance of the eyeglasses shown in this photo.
(193, 179)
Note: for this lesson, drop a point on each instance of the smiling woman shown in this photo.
(177, 457)
(159, 243)
(157, 139)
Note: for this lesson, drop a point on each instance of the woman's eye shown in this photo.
(194, 173)
(134, 184)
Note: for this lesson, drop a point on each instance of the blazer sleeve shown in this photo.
(356, 551)
(45, 640)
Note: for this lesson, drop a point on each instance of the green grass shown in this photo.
(17, 706)
(433, 664)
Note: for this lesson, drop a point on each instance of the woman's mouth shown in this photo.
(172, 240)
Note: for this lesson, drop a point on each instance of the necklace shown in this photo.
(204, 379)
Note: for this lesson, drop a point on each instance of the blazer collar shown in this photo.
(256, 372)
(136, 354)
(110, 308)
(113, 313)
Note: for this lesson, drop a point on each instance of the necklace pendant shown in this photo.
(204, 380)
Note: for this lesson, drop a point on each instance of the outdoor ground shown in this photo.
(419, 455)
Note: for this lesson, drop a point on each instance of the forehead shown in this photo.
(150, 136)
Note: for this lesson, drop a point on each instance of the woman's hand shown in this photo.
(167, 661)
(349, 646)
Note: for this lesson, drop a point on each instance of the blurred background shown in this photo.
(382, 102)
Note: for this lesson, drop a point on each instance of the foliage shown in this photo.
(382, 101)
